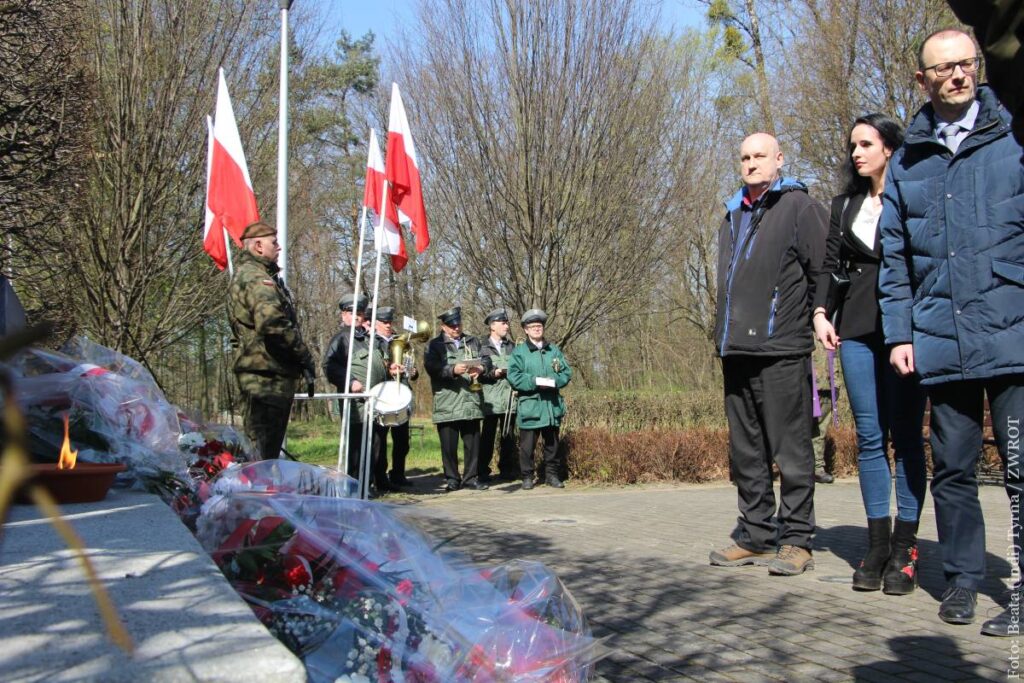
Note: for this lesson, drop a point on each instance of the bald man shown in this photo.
(771, 245)
(951, 287)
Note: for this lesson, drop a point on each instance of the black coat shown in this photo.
(858, 310)
(766, 282)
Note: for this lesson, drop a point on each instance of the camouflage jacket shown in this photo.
(270, 355)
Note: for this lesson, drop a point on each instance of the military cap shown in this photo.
(385, 314)
(451, 317)
(534, 315)
(346, 302)
(258, 229)
(498, 314)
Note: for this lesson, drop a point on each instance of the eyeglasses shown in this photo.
(946, 69)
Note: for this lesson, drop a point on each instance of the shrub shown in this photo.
(692, 455)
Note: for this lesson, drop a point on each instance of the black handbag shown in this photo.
(838, 285)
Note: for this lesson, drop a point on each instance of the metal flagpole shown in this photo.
(227, 248)
(282, 145)
(346, 413)
(378, 238)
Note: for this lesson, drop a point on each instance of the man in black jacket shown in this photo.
(771, 245)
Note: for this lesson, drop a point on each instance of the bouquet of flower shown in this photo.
(116, 411)
(357, 591)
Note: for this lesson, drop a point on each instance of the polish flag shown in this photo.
(402, 171)
(230, 200)
(388, 237)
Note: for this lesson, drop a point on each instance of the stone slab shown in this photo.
(186, 621)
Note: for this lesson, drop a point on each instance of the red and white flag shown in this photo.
(402, 171)
(388, 238)
(230, 200)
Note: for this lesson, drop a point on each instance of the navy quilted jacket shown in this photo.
(952, 227)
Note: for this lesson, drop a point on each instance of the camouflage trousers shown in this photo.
(266, 421)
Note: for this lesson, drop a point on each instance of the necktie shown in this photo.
(948, 133)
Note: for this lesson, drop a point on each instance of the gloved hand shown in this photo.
(309, 376)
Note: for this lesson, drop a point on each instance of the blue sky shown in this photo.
(360, 16)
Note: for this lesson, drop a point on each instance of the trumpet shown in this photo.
(475, 384)
(400, 348)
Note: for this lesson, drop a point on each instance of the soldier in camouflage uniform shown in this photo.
(363, 358)
(497, 397)
(270, 354)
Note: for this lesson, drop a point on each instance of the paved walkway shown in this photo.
(636, 560)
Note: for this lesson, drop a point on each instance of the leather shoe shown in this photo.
(1008, 623)
(451, 486)
(527, 483)
(823, 477)
(554, 483)
(958, 605)
(400, 481)
(477, 485)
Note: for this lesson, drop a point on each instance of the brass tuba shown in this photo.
(400, 348)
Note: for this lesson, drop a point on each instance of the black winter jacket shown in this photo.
(766, 284)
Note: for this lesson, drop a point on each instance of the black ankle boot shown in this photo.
(868, 576)
(900, 577)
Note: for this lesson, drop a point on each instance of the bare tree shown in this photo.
(42, 142)
(542, 132)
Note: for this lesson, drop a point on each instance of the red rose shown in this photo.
(297, 571)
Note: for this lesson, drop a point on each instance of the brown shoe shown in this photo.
(790, 561)
(735, 556)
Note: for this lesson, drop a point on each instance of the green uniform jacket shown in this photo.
(496, 391)
(271, 355)
(538, 407)
(452, 398)
(337, 359)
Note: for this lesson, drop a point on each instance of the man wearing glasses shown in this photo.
(952, 299)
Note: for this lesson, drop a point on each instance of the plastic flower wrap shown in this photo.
(116, 411)
(359, 594)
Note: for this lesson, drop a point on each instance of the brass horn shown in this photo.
(400, 349)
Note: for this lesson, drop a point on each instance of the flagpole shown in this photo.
(227, 250)
(282, 145)
(378, 238)
(346, 413)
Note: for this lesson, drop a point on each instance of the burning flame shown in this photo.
(67, 456)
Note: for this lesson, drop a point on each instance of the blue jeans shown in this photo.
(885, 405)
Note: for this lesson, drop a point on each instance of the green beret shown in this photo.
(258, 229)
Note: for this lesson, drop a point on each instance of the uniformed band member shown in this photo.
(457, 409)
(270, 356)
(538, 370)
(498, 401)
(399, 433)
(335, 362)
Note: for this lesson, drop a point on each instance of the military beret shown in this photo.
(498, 314)
(258, 229)
(451, 317)
(385, 314)
(346, 302)
(534, 315)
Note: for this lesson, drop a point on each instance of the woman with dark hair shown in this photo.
(884, 405)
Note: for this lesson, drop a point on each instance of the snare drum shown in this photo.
(394, 403)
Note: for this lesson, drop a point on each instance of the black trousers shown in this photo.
(355, 445)
(265, 420)
(449, 432)
(767, 401)
(399, 449)
(508, 465)
(956, 438)
(527, 444)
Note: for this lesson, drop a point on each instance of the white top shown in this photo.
(865, 223)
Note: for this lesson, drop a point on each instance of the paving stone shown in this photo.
(636, 561)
